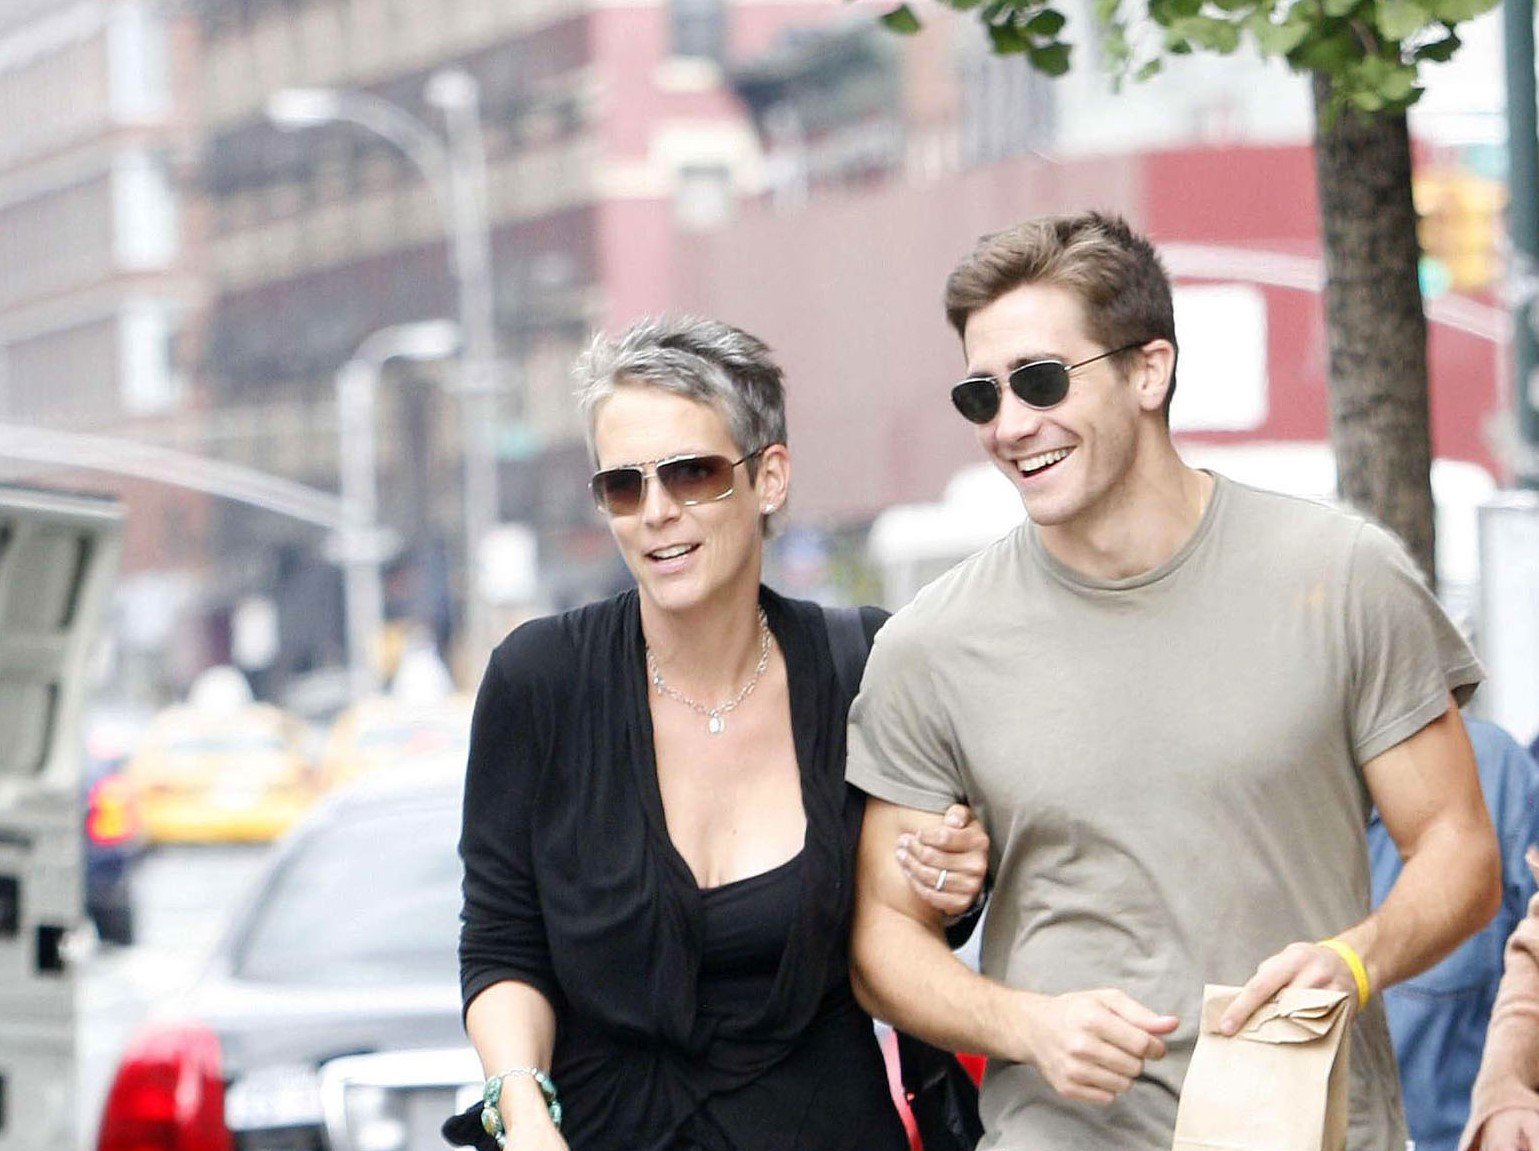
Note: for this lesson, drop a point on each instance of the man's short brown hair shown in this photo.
(1114, 271)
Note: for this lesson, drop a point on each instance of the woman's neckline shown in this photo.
(757, 877)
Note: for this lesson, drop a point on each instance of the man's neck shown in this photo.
(1139, 528)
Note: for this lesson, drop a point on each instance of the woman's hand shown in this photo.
(532, 1130)
(536, 1137)
(946, 864)
(1515, 1129)
(526, 1117)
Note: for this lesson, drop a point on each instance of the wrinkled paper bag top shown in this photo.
(1278, 1084)
(1294, 1015)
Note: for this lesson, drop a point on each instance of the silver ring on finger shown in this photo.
(940, 880)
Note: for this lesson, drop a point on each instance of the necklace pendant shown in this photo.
(717, 724)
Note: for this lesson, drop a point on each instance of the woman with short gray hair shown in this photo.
(658, 840)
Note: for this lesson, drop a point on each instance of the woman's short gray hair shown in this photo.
(704, 360)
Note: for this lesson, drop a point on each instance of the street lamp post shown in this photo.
(361, 542)
(454, 166)
(456, 94)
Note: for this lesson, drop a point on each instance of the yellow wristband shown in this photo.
(1354, 961)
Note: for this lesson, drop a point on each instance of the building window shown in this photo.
(146, 331)
(699, 28)
(704, 196)
(139, 64)
(1007, 108)
(144, 209)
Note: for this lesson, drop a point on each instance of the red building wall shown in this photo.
(848, 292)
(647, 91)
(1264, 199)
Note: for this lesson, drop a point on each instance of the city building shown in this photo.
(610, 131)
(100, 293)
(870, 204)
(189, 273)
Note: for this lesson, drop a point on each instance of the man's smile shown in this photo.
(1031, 465)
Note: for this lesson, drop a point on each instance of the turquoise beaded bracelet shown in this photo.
(491, 1096)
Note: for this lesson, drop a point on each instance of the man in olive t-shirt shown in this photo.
(1171, 700)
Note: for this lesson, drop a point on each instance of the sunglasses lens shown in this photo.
(697, 479)
(977, 400)
(618, 490)
(689, 480)
(1042, 384)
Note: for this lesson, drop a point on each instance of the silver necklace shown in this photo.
(715, 716)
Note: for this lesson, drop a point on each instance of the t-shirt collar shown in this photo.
(1077, 579)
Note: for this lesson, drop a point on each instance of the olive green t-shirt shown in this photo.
(1170, 768)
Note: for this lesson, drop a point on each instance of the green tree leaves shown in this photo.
(1400, 19)
(1213, 33)
(901, 20)
(1370, 49)
(1027, 28)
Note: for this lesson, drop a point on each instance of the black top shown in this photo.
(744, 928)
(573, 886)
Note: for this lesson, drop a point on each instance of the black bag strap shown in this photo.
(942, 1097)
(849, 645)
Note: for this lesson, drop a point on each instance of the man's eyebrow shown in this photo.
(1033, 357)
(1014, 362)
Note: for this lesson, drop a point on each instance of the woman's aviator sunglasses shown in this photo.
(1041, 384)
(688, 479)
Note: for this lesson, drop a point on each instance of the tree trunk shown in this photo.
(1377, 331)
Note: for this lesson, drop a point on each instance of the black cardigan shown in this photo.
(573, 886)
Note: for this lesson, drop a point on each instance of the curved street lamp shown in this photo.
(361, 543)
(454, 166)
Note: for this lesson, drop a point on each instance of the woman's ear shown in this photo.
(773, 483)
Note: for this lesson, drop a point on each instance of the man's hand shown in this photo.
(1091, 1045)
(946, 864)
(1297, 965)
(1515, 1129)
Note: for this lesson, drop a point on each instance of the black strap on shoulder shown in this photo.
(849, 645)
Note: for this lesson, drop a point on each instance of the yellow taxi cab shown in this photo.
(421, 724)
(383, 732)
(227, 772)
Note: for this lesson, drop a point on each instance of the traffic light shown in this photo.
(1460, 223)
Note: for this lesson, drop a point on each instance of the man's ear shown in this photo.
(1152, 373)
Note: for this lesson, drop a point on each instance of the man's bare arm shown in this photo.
(1088, 1045)
(1427, 791)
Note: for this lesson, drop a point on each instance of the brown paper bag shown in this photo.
(1278, 1084)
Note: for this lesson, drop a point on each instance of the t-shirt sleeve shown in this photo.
(502, 931)
(1406, 655)
(900, 745)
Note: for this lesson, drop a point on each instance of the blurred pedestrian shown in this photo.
(658, 840)
(1504, 1106)
(1438, 1019)
(1171, 698)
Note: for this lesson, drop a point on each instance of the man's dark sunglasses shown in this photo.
(688, 479)
(1041, 384)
